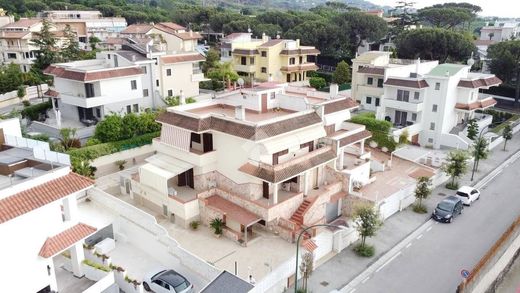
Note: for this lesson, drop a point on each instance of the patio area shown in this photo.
(67, 282)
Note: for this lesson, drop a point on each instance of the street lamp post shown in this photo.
(476, 156)
(298, 246)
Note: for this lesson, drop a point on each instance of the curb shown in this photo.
(393, 252)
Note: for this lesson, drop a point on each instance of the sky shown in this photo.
(500, 8)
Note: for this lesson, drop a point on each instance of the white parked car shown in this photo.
(468, 194)
(166, 281)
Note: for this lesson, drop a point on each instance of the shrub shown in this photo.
(317, 82)
(20, 92)
(214, 85)
(96, 265)
(117, 128)
(217, 225)
(26, 103)
(452, 185)
(33, 112)
(116, 268)
(110, 128)
(194, 225)
(420, 209)
(364, 250)
(379, 129)
(120, 164)
(40, 137)
(92, 141)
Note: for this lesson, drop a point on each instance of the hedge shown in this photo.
(87, 154)
(379, 128)
(33, 112)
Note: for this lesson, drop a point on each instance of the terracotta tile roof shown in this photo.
(13, 35)
(355, 138)
(92, 75)
(115, 41)
(141, 28)
(340, 105)
(51, 93)
(172, 25)
(481, 82)
(282, 172)
(372, 70)
(189, 35)
(182, 58)
(272, 42)
(232, 211)
(245, 52)
(482, 104)
(309, 245)
(300, 51)
(25, 23)
(65, 239)
(418, 84)
(238, 129)
(38, 196)
(421, 172)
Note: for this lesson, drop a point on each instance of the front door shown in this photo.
(331, 211)
(400, 117)
(264, 103)
(415, 139)
(207, 142)
(265, 190)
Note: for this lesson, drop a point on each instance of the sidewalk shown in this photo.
(344, 267)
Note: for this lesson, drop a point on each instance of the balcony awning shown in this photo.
(59, 242)
(283, 142)
(232, 211)
(166, 166)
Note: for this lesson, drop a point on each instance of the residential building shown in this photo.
(38, 213)
(88, 90)
(85, 24)
(500, 31)
(4, 18)
(275, 156)
(431, 104)
(16, 45)
(266, 59)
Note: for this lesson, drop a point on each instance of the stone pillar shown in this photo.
(275, 193)
(306, 183)
(77, 255)
(70, 208)
(341, 159)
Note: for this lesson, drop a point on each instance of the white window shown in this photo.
(170, 93)
(168, 72)
(434, 108)
(430, 140)
(432, 126)
(416, 95)
(414, 116)
(133, 84)
(128, 109)
(437, 86)
(369, 100)
(145, 92)
(136, 108)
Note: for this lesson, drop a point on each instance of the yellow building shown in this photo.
(268, 59)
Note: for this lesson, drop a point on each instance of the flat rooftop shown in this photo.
(250, 115)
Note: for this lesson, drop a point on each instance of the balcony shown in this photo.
(371, 90)
(410, 106)
(299, 67)
(193, 157)
(245, 68)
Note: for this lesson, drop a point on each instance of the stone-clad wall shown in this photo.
(214, 179)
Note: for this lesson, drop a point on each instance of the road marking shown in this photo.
(388, 261)
(419, 237)
(366, 279)
(408, 245)
(429, 228)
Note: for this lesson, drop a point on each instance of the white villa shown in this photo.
(431, 102)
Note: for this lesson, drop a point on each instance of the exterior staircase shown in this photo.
(297, 217)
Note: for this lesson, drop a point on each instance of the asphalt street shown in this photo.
(433, 260)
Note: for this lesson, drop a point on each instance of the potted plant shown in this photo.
(120, 164)
(217, 225)
(194, 225)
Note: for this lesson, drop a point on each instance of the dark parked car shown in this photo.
(447, 209)
(166, 281)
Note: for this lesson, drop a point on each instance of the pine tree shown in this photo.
(472, 129)
(47, 48)
(70, 51)
(342, 73)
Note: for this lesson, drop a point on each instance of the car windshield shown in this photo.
(463, 194)
(445, 206)
(182, 286)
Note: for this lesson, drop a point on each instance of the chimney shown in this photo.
(334, 90)
(417, 63)
(297, 43)
(182, 99)
(240, 113)
(191, 33)
(447, 73)
(265, 38)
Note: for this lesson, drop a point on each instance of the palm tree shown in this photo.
(225, 72)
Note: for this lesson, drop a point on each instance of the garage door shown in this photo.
(331, 212)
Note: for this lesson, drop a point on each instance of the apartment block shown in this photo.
(274, 156)
(268, 59)
(38, 213)
(430, 102)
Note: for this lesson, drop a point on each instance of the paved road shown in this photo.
(433, 260)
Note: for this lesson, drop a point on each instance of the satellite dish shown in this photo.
(240, 81)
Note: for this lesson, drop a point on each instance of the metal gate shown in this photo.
(331, 211)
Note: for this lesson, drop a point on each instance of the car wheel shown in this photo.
(146, 286)
(450, 220)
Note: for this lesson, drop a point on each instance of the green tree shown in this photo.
(306, 268)
(422, 191)
(225, 72)
(342, 73)
(507, 134)
(68, 138)
(361, 27)
(109, 129)
(212, 59)
(11, 78)
(472, 129)
(480, 150)
(93, 42)
(317, 82)
(130, 126)
(434, 44)
(70, 50)
(47, 48)
(505, 63)
(405, 18)
(367, 222)
(445, 17)
(455, 166)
